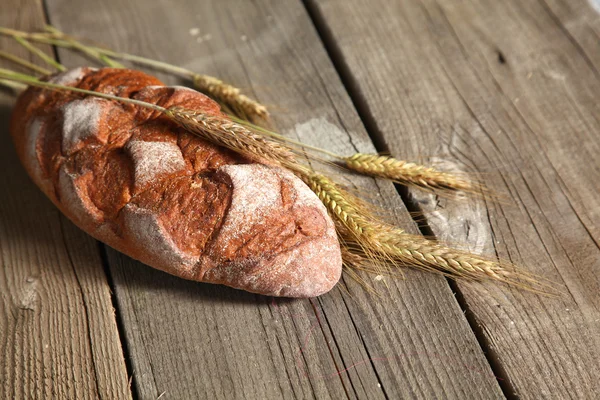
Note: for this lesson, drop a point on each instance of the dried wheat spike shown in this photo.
(351, 212)
(231, 135)
(230, 96)
(426, 254)
(388, 245)
(405, 172)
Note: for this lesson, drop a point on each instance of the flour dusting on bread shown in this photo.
(71, 76)
(80, 122)
(154, 160)
(144, 229)
(255, 194)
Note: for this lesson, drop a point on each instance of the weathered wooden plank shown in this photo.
(509, 89)
(58, 334)
(195, 340)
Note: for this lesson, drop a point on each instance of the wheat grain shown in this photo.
(432, 256)
(229, 95)
(350, 211)
(231, 135)
(406, 172)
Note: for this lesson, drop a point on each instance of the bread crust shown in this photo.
(139, 183)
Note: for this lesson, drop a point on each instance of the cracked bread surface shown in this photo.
(136, 181)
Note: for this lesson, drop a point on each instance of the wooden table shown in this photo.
(508, 89)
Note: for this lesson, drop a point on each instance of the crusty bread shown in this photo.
(134, 180)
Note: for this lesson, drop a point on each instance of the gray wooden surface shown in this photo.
(258, 348)
(502, 88)
(509, 89)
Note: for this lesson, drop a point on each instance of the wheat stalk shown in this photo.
(229, 96)
(46, 58)
(24, 63)
(362, 234)
(225, 94)
(72, 42)
(16, 87)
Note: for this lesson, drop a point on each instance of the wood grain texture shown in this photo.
(508, 89)
(58, 334)
(191, 340)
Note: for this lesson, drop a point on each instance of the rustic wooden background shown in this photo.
(507, 89)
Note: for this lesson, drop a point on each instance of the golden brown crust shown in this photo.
(136, 181)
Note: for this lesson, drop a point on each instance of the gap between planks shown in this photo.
(412, 206)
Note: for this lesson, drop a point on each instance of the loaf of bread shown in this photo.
(137, 182)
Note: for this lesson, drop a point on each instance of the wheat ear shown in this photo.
(389, 168)
(231, 135)
(387, 246)
(406, 173)
(419, 251)
(231, 96)
(393, 246)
